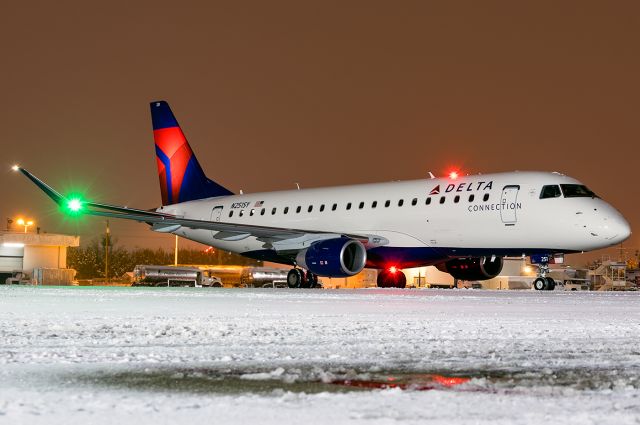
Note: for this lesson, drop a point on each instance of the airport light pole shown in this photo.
(175, 253)
(24, 223)
(106, 253)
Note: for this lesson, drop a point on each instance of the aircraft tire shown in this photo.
(401, 280)
(391, 280)
(294, 278)
(313, 280)
(540, 284)
(306, 279)
(551, 284)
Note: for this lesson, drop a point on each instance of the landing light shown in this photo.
(15, 167)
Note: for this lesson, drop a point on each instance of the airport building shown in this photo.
(41, 257)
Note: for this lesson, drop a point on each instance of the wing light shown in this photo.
(74, 205)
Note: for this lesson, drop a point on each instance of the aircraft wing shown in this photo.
(279, 238)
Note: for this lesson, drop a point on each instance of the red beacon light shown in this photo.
(393, 269)
(453, 175)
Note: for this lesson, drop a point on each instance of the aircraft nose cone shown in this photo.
(624, 229)
(618, 229)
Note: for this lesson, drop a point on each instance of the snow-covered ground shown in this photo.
(157, 355)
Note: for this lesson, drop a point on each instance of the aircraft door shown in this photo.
(509, 205)
(216, 213)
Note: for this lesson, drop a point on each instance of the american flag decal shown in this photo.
(259, 204)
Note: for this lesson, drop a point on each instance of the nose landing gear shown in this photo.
(544, 282)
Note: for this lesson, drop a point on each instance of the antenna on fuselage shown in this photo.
(431, 176)
(298, 185)
(241, 192)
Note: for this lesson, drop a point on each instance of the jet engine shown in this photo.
(474, 268)
(339, 257)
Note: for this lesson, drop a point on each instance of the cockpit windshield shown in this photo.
(550, 191)
(577, 191)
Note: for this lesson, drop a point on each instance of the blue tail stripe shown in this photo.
(167, 170)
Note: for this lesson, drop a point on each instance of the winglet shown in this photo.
(51, 193)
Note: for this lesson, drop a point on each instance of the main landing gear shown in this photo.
(391, 278)
(544, 282)
(298, 278)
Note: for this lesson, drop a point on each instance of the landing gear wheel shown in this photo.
(540, 284)
(312, 280)
(551, 284)
(294, 278)
(387, 279)
(305, 279)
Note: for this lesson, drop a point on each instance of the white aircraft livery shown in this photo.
(464, 225)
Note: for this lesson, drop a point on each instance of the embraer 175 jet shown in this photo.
(463, 225)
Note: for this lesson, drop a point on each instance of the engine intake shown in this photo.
(474, 268)
(339, 257)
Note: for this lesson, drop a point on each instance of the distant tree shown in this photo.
(89, 261)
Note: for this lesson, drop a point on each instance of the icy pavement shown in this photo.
(157, 355)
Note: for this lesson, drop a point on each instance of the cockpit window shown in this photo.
(551, 191)
(577, 191)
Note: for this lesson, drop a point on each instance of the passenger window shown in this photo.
(400, 202)
(550, 191)
(262, 212)
(241, 213)
(471, 197)
(298, 209)
(310, 208)
(387, 203)
(485, 198)
(361, 205)
(251, 212)
(321, 207)
(231, 213)
(333, 207)
(349, 206)
(374, 204)
(414, 202)
(456, 199)
(428, 201)
(442, 199)
(286, 210)
(273, 211)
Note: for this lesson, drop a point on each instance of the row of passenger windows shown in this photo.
(361, 205)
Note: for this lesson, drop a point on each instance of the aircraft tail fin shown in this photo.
(180, 173)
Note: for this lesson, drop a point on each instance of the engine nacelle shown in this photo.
(474, 268)
(339, 257)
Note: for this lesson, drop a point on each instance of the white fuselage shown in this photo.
(501, 214)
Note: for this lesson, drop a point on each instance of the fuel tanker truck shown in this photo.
(149, 275)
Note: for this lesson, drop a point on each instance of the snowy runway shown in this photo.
(158, 355)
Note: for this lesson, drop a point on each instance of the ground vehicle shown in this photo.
(18, 278)
(264, 277)
(571, 279)
(151, 275)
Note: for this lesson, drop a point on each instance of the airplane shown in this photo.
(462, 224)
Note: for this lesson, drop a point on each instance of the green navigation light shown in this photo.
(74, 205)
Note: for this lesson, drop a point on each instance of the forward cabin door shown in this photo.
(216, 213)
(508, 205)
